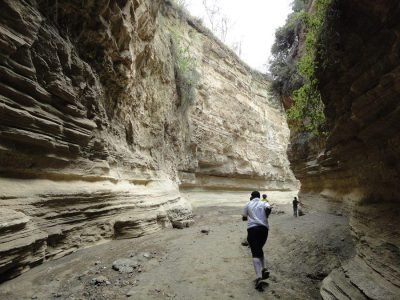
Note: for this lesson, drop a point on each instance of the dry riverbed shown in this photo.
(205, 261)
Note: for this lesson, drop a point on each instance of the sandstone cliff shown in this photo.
(357, 165)
(94, 138)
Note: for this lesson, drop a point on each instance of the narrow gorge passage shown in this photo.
(189, 264)
(124, 120)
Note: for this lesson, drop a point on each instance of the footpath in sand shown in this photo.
(191, 264)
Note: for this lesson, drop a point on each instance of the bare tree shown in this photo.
(237, 47)
(212, 13)
(220, 24)
(224, 27)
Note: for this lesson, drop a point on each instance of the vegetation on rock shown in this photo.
(293, 65)
(186, 75)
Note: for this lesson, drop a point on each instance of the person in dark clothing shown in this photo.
(256, 214)
(295, 204)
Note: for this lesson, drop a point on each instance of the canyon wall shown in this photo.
(357, 165)
(95, 140)
(239, 133)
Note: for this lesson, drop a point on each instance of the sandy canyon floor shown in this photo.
(191, 264)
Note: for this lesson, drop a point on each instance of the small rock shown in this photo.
(146, 255)
(131, 292)
(34, 297)
(57, 295)
(244, 242)
(101, 280)
(205, 230)
(182, 224)
(97, 263)
(125, 282)
(125, 265)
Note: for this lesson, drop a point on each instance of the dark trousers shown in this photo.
(295, 211)
(257, 237)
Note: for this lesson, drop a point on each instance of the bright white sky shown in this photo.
(253, 23)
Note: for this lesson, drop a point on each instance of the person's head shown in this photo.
(295, 198)
(264, 196)
(255, 194)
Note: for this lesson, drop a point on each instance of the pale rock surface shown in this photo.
(94, 142)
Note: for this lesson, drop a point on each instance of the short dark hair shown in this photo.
(264, 195)
(255, 194)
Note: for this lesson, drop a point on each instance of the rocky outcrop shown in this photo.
(357, 164)
(94, 140)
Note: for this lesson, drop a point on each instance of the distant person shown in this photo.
(256, 214)
(264, 198)
(295, 205)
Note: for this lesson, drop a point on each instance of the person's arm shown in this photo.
(244, 213)
(267, 209)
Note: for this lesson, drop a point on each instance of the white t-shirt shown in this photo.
(255, 213)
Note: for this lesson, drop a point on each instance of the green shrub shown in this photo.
(186, 75)
(307, 111)
(295, 77)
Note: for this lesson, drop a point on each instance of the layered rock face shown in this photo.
(239, 133)
(358, 163)
(85, 106)
(94, 140)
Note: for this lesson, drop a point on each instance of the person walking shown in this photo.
(256, 214)
(295, 205)
(264, 198)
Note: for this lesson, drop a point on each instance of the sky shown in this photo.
(252, 22)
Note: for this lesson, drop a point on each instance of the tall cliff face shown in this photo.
(94, 139)
(239, 133)
(358, 163)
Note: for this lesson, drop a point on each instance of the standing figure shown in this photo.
(295, 204)
(256, 214)
(264, 198)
